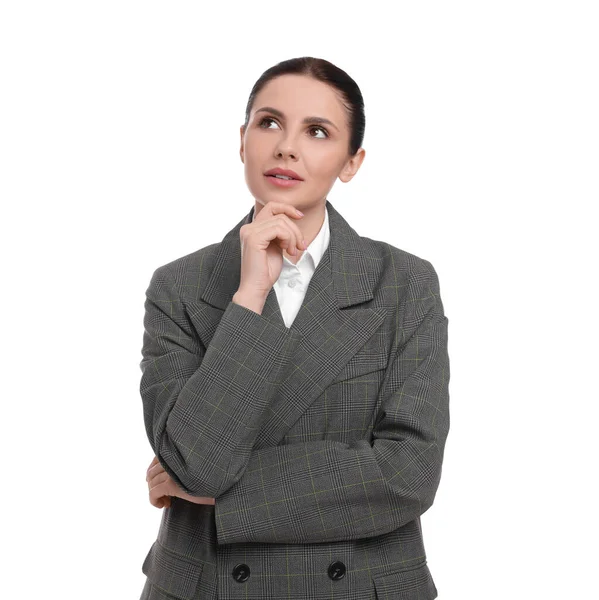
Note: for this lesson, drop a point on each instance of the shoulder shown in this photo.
(187, 274)
(402, 281)
(393, 263)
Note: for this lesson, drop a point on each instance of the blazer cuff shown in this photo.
(263, 344)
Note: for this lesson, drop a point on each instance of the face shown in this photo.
(317, 152)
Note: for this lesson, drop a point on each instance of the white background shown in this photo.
(119, 152)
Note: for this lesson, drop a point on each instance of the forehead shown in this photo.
(298, 96)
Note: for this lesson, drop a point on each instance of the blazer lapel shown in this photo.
(326, 332)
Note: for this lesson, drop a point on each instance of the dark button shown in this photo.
(336, 570)
(241, 573)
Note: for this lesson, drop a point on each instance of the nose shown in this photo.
(286, 154)
(284, 150)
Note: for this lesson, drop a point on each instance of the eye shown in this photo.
(326, 135)
(268, 119)
(264, 120)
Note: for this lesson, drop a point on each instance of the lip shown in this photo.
(288, 172)
(283, 182)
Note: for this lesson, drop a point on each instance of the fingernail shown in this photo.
(299, 212)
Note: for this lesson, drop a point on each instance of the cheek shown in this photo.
(322, 159)
(256, 145)
(252, 168)
(322, 168)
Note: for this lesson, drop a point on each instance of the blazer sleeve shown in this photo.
(328, 491)
(202, 407)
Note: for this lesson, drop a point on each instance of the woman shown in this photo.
(295, 378)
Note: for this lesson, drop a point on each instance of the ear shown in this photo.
(352, 165)
(242, 133)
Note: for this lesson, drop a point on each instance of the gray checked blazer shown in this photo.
(322, 443)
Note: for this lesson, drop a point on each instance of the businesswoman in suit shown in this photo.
(295, 378)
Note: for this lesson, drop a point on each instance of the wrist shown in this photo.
(254, 302)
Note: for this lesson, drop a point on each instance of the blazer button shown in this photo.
(241, 573)
(337, 570)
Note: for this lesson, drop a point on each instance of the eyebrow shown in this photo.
(307, 120)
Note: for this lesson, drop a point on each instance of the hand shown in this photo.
(262, 243)
(162, 487)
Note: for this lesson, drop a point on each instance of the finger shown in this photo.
(287, 210)
(154, 461)
(281, 211)
(161, 496)
(298, 236)
(298, 241)
(155, 499)
(277, 230)
(288, 240)
(285, 235)
(158, 480)
(153, 471)
(158, 491)
(275, 207)
(163, 502)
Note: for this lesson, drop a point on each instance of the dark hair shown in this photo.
(321, 70)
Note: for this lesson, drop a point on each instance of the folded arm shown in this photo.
(202, 406)
(327, 491)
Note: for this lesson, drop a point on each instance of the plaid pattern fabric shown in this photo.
(322, 443)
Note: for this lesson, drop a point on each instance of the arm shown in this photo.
(327, 491)
(202, 406)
